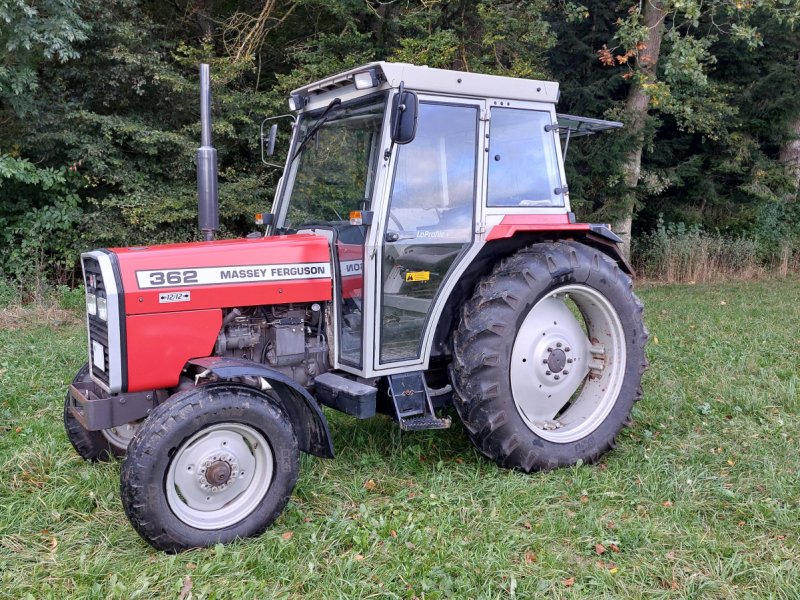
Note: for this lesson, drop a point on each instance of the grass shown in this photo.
(700, 500)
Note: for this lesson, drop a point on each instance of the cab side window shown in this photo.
(523, 167)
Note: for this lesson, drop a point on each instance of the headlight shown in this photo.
(366, 79)
(91, 304)
(102, 308)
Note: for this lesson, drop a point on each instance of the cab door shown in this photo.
(429, 225)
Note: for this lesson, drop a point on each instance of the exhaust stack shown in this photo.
(207, 192)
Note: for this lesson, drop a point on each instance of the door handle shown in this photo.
(394, 236)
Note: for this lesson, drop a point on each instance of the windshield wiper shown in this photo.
(320, 122)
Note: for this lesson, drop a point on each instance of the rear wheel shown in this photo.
(549, 356)
(208, 466)
(101, 445)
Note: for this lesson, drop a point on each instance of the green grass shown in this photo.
(701, 499)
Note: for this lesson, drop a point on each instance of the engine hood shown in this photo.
(225, 273)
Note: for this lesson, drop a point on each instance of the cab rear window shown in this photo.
(523, 165)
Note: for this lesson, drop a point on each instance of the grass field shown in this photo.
(700, 500)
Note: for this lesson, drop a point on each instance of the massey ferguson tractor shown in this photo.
(420, 253)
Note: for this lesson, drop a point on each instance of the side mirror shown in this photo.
(405, 109)
(273, 133)
(268, 139)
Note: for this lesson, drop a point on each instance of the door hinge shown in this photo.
(480, 228)
(485, 115)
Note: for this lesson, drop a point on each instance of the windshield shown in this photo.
(335, 170)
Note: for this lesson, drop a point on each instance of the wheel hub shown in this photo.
(218, 473)
(553, 356)
(556, 360)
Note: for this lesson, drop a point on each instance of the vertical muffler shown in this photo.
(207, 192)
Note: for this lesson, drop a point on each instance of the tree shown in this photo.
(32, 33)
(676, 83)
(637, 105)
(790, 151)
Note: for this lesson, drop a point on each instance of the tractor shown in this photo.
(420, 255)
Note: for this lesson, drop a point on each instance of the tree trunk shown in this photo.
(203, 17)
(790, 155)
(379, 23)
(790, 152)
(636, 109)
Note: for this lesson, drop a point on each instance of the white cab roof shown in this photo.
(439, 81)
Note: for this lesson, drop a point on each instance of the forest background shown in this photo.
(99, 115)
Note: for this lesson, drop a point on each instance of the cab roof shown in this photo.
(437, 81)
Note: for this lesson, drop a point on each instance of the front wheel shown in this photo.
(209, 465)
(548, 357)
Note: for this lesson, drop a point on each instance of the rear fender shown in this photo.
(310, 425)
(504, 240)
(518, 231)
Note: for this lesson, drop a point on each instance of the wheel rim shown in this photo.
(120, 436)
(219, 476)
(568, 363)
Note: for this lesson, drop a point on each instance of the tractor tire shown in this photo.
(548, 357)
(209, 465)
(95, 446)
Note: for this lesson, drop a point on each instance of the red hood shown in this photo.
(225, 273)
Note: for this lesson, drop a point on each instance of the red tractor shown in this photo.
(420, 253)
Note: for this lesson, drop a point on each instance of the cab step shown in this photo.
(412, 403)
(351, 397)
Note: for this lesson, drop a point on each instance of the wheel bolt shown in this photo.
(566, 349)
(556, 377)
(544, 361)
(558, 345)
(547, 373)
(549, 349)
(566, 372)
(569, 360)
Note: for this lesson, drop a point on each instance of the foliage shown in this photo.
(109, 90)
(8, 294)
(496, 36)
(40, 219)
(31, 34)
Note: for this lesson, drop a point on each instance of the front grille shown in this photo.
(98, 329)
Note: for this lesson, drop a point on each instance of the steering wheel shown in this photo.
(392, 217)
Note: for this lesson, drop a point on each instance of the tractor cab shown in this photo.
(407, 170)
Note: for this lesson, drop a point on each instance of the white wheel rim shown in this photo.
(121, 435)
(233, 448)
(566, 375)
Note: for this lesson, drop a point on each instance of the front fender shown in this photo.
(310, 425)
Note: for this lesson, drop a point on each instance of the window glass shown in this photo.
(430, 222)
(336, 167)
(523, 169)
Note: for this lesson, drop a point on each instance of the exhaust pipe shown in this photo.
(207, 192)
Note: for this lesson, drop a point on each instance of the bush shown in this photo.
(9, 294)
(70, 298)
(675, 252)
(40, 225)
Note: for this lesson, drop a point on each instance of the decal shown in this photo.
(444, 233)
(165, 297)
(351, 267)
(230, 274)
(418, 275)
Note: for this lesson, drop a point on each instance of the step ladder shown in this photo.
(412, 403)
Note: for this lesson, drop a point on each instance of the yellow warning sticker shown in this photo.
(418, 276)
